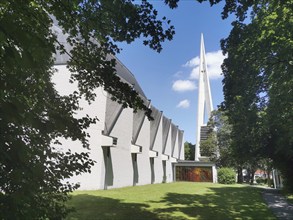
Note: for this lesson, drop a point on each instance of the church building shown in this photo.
(128, 149)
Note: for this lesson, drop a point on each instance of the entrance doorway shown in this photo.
(135, 169)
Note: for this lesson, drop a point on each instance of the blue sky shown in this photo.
(169, 78)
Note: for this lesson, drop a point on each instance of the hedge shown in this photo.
(226, 175)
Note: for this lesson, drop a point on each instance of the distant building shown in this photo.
(260, 174)
(128, 148)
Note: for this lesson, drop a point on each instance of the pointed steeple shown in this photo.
(205, 104)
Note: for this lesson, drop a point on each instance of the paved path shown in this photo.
(278, 204)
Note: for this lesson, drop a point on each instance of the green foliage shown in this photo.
(261, 180)
(33, 116)
(226, 175)
(189, 151)
(288, 195)
(218, 144)
(258, 84)
(208, 148)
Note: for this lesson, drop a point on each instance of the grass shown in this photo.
(290, 198)
(288, 195)
(180, 201)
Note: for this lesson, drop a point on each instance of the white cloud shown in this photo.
(214, 61)
(178, 74)
(183, 85)
(194, 73)
(192, 63)
(183, 104)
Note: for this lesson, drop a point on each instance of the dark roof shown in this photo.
(61, 59)
(122, 71)
(125, 74)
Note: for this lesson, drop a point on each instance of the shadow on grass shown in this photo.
(219, 203)
(96, 207)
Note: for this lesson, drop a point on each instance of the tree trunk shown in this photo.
(252, 176)
(239, 175)
(247, 179)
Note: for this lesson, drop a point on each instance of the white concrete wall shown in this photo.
(143, 159)
(121, 172)
(158, 160)
(182, 154)
(176, 149)
(95, 179)
(168, 151)
(121, 155)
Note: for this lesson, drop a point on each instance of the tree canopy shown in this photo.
(218, 144)
(189, 151)
(258, 81)
(33, 115)
(258, 84)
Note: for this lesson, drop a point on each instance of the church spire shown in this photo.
(205, 104)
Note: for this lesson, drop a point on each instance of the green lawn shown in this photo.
(288, 195)
(180, 200)
(290, 198)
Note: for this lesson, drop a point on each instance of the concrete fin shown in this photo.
(138, 119)
(180, 139)
(174, 130)
(154, 125)
(166, 127)
(113, 111)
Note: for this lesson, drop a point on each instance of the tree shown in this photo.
(34, 115)
(258, 83)
(209, 147)
(189, 151)
(222, 148)
(267, 165)
(223, 131)
(218, 144)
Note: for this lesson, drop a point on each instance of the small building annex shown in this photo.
(128, 148)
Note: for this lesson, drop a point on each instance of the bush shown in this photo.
(226, 175)
(261, 180)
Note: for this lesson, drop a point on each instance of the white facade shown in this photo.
(127, 147)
